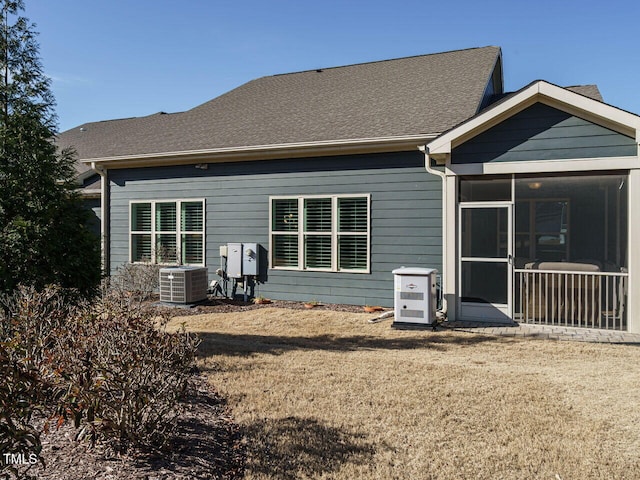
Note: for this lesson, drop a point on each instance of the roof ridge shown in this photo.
(130, 118)
(580, 85)
(380, 61)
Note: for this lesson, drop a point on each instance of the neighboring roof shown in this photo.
(571, 98)
(421, 95)
(92, 187)
(590, 91)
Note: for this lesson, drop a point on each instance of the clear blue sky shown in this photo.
(122, 58)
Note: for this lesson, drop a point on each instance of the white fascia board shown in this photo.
(493, 116)
(552, 95)
(592, 108)
(266, 152)
(544, 166)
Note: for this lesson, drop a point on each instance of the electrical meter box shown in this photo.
(243, 260)
(250, 259)
(414, 295)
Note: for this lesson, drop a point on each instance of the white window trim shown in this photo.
(178, 232)
(334, 232)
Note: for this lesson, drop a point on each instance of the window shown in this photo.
(329, 233)
(167, 232)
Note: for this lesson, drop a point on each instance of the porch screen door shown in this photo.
(486, 269)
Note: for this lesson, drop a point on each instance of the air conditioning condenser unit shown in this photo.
(183, 284)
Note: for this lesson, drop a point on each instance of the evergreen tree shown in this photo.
(44, 237)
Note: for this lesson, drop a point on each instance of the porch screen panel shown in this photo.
(522, 234)
(479, 189)
(484, 232)
(484, 282)
(573, 219)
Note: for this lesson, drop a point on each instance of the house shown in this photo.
(525, 202)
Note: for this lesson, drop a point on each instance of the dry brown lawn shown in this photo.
(324, 394)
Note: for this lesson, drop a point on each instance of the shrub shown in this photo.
(110, 367)
(20, 394)
(30, 321)
(126, 375)
(36, 317)
(136, 282)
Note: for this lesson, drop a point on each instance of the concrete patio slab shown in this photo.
(546, 332)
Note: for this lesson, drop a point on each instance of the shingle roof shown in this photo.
(590, 91)
(424, 94)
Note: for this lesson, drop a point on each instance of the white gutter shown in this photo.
(266, 152)
(432, 171)
(104, 208)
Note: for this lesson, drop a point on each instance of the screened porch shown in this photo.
(545, 249)
(570, 244)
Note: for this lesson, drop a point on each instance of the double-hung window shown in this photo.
(329, 233)
(169, 232)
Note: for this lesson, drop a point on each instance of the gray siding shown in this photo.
(406, 215)
(541, 132)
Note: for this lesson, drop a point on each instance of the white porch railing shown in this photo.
(574, 299)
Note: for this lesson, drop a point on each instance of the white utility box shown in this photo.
(415, 295)
(234, 260)
(183, 284)
(250, 259)
(243, 260)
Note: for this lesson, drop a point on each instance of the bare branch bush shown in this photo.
(112, 370)
(30, 321)
(135, 281)
(126, 376)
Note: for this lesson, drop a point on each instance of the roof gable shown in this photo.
(543, 92)
(541, 132)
